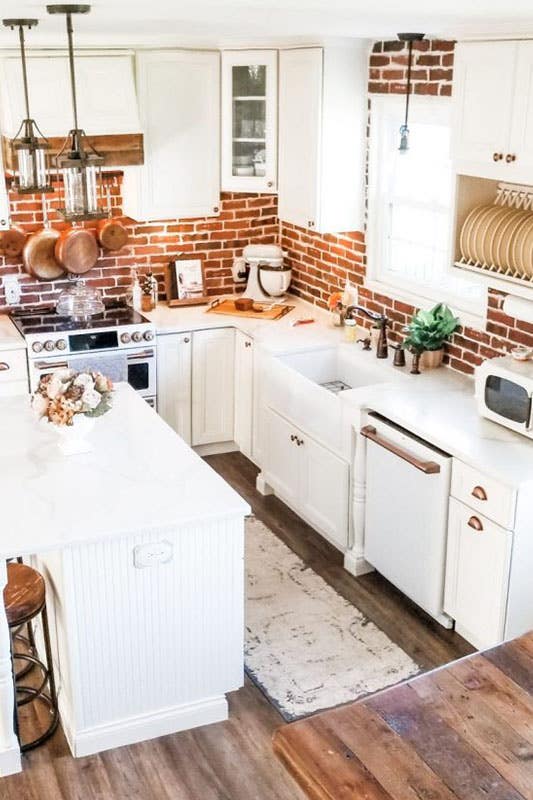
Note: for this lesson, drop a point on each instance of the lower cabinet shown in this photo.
(308, 477)
(213, 386)
(13, 373)
(174, 360)
(477, 575)
(244, 392)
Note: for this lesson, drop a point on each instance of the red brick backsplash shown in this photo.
(243, 218)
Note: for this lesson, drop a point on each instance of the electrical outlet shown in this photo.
(12, 290)
(151, 554)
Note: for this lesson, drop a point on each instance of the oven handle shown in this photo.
(63, 364)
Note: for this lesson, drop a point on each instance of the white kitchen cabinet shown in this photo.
(493, 110)
(13, 373)
(308, 477)
(477, 575)
(213, 389)
(174, 382)
(244, 392)
(4, 197)
(249, 120)
(322, 137)
(107, 101)
(179, 104)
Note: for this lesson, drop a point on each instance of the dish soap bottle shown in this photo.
(136, 292)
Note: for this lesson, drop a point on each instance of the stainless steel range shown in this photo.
(119, 342)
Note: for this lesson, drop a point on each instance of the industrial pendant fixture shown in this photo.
(404, 130)
(30, 148)
(77, 161)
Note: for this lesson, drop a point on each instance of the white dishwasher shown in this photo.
(406, 512)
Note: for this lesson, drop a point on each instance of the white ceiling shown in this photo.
(220, 22)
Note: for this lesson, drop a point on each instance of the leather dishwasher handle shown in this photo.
(427, 467)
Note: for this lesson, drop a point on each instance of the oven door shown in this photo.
(139, 368)
(508, 402)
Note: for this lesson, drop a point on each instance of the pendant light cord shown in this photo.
(70, 32)
(408, 90)
(24, 73)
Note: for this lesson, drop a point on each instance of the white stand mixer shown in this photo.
(267, 275)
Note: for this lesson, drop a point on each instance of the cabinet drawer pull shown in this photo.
(479, 493)
(428, 467)
(299, 442)
(186, 340)
(510, 157)
(475, 523)
(497, 156)
(4, 366)
(294, 438)
(247, 344)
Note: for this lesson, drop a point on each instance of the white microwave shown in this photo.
(504, 393)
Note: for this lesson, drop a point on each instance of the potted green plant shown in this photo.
(427, 333)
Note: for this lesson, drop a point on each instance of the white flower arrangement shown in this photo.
(64, 393)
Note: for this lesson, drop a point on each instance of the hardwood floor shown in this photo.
(232, 760)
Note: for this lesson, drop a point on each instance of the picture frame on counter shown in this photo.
(185, 282)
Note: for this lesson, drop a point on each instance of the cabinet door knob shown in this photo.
(299, 442)
(510, 157)
(310, 224)
(475, 523)
(216, 209)
(186, 340)
(270, 184)
(294, 438)
(497, 156)
(247, 344)
(479, 493)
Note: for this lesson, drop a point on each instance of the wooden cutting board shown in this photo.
(260, 310)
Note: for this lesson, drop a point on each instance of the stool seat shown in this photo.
(24, 594)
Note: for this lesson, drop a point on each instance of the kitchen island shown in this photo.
(141, 545)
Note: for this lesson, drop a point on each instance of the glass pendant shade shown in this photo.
(81, 169)
(409, 39)
(29, 147)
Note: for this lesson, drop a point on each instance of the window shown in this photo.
(410, 203)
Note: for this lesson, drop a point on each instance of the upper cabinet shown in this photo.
(249, 120)
(493, 110)
(179, 104)
(322, 137)
(107, 103)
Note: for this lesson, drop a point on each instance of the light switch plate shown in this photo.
(152, 554)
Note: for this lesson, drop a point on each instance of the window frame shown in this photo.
(472, 311)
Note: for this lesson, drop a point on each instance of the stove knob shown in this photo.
(37, 347)
(125, 338)
(61, 344)
(149, 335)
(137, 336)
(49, 345)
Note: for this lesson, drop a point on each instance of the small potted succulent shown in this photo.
(427, 333)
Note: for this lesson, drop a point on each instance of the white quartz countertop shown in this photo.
(10, 338)
(140, 477)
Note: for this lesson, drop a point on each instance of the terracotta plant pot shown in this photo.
(430, 359)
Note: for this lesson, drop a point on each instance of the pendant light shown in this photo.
(77, 161)
(404, 130)
(30, 148)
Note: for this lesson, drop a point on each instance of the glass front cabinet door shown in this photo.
(249, 120)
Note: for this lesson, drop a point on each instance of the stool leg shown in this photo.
(49, 663)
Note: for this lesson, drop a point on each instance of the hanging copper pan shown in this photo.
(12, 241)
(39, 252)
(76, 250)
(111, 233)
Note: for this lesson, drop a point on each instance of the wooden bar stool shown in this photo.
(25, 599)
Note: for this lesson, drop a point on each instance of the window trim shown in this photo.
(472, 313)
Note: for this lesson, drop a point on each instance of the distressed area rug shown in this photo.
(306, 647)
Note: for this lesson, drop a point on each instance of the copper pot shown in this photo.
(76, 250)
(39, 252)
(12, 241)
(111, 234)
